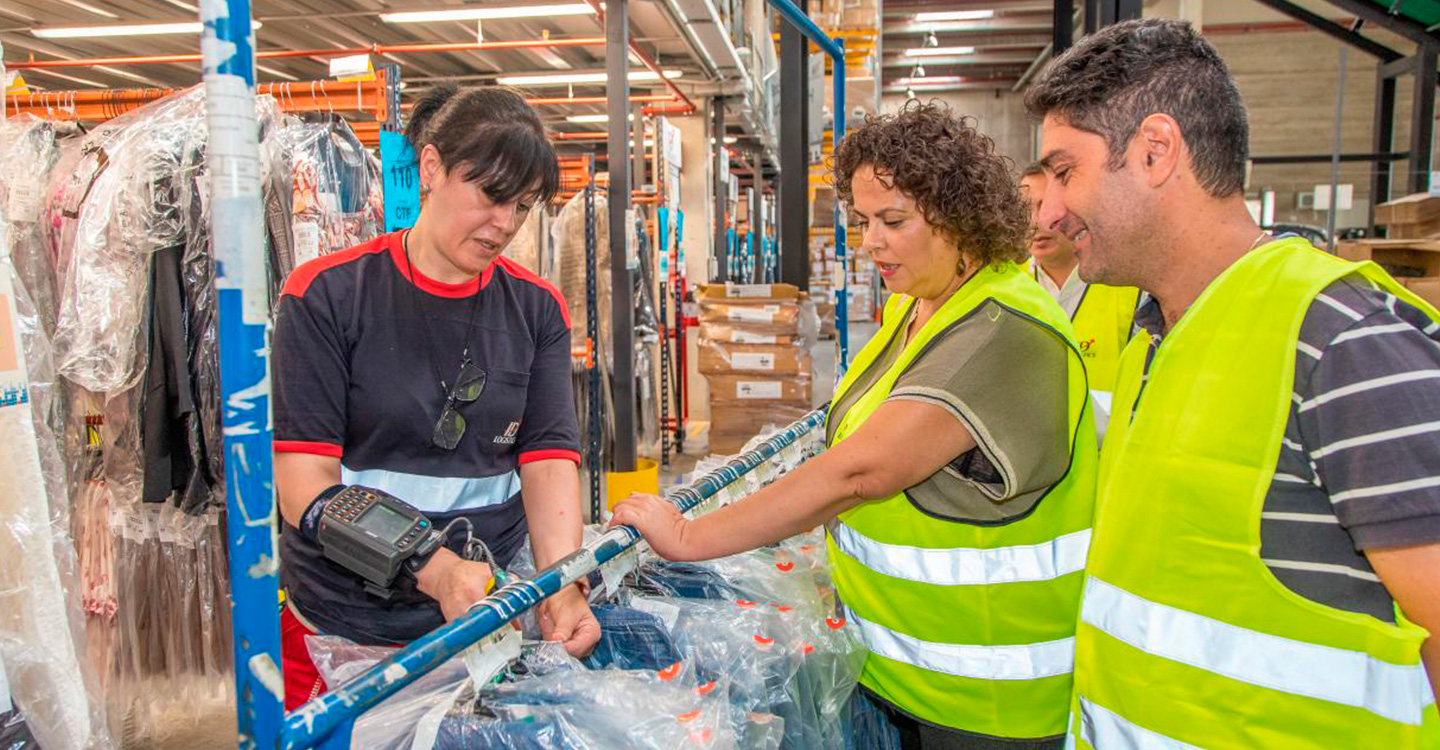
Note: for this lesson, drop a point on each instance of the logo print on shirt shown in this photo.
(510, 432)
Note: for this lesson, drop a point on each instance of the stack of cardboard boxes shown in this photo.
(754, 356)
(1411, 250)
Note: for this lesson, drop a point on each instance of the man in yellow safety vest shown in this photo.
(1265, 566)
(1103, 316)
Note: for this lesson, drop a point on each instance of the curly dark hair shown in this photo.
(1110, 81)
(950, 169)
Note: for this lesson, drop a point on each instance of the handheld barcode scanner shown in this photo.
(374, 534)
(371, 533)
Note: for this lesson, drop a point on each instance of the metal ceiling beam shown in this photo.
(1378, 15)
(1321, 23)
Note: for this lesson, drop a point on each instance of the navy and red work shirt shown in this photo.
(353, 378)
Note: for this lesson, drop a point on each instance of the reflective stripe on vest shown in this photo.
(964, 566)
(1351, 678)
(1103, 728)
(1030, 661)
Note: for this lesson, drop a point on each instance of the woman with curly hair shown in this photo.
(958, 484)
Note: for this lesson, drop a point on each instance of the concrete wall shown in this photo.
(1289, 83)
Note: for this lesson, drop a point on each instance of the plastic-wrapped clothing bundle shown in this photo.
(135, 320)
(631, 639)
(595, 709)
(29, 151)
(323, 192)
(121, 203)
(545, 700)
(41, 626)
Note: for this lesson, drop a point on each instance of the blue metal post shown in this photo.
(842, 305)
(311, 723)
(233, 158)
(835, 48)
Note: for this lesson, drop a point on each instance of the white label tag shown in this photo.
(23, 201)
(746, 337)
(748, 361)
(764, 314)
(352, 65)
(491, 654)
(752, 389)
(747, 290)
(307, 241)
(667, 612)
(613, 572)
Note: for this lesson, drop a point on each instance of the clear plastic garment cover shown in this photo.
(115, 624)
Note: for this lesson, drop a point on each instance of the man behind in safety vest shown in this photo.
(1103, 316)
(1265, 567)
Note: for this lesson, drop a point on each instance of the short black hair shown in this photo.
(1110, 81)
(494, 134)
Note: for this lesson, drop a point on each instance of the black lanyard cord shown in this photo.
(420, 312)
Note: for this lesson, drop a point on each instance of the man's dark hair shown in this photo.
(494, 134)
(1110, 81)
(961, 186)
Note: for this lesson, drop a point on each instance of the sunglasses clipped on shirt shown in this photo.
(469, 384)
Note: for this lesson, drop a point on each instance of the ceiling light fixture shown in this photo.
(564, 79)
(133, 29)
(602, 117)
(938, 51)
(936, 81)
(931, 40)
(910, 93)
(919, 72)
(277, 73)
(953, 15)
(489, 14)
(730, 139)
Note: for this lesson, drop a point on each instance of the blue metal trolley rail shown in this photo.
(228, 48)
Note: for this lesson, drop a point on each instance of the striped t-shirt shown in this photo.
(1359, 465)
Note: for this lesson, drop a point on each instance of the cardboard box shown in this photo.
(733, 418)
(718, 358)
(731, 291)
(1401, 258)
(1412, 230)
(758, 388)
(1412, 209)
(756, 316)
(1426, 288)
(727, 333)
(734, 424)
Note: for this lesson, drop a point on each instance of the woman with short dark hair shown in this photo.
(426, 366)
(957, 487)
